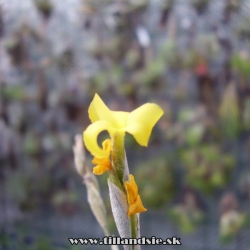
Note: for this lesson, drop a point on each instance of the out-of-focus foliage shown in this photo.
(243, 30)
(188, 213)
(207, 168)
(229, 112)
(231, 223)
(246, 114)
(200, 5)
(190, 57)
(193, 130)
(186, 219)
(241, 63)
(24, 242)
(13, 93)
(45, 7)
(232, 220)
(155, 179)
(65, 201)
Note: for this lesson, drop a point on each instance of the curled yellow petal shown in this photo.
(106, 145)
(134, 200)
(131, 193)
(103, 164)
(90, 138)
(141, 121)
(99, 111)
(136, 207)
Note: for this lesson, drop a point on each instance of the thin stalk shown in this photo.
(118, 155)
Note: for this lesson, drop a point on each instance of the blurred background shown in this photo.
(192, 57)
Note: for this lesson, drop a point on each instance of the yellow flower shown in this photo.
(134, 199)
(139, 123)
(103, 164)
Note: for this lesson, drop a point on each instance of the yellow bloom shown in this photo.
(103, 164)
(139, 123)
(134, 199)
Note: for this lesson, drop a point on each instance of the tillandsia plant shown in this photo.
(125, 200)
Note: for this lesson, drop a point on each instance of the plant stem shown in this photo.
(118, 155)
